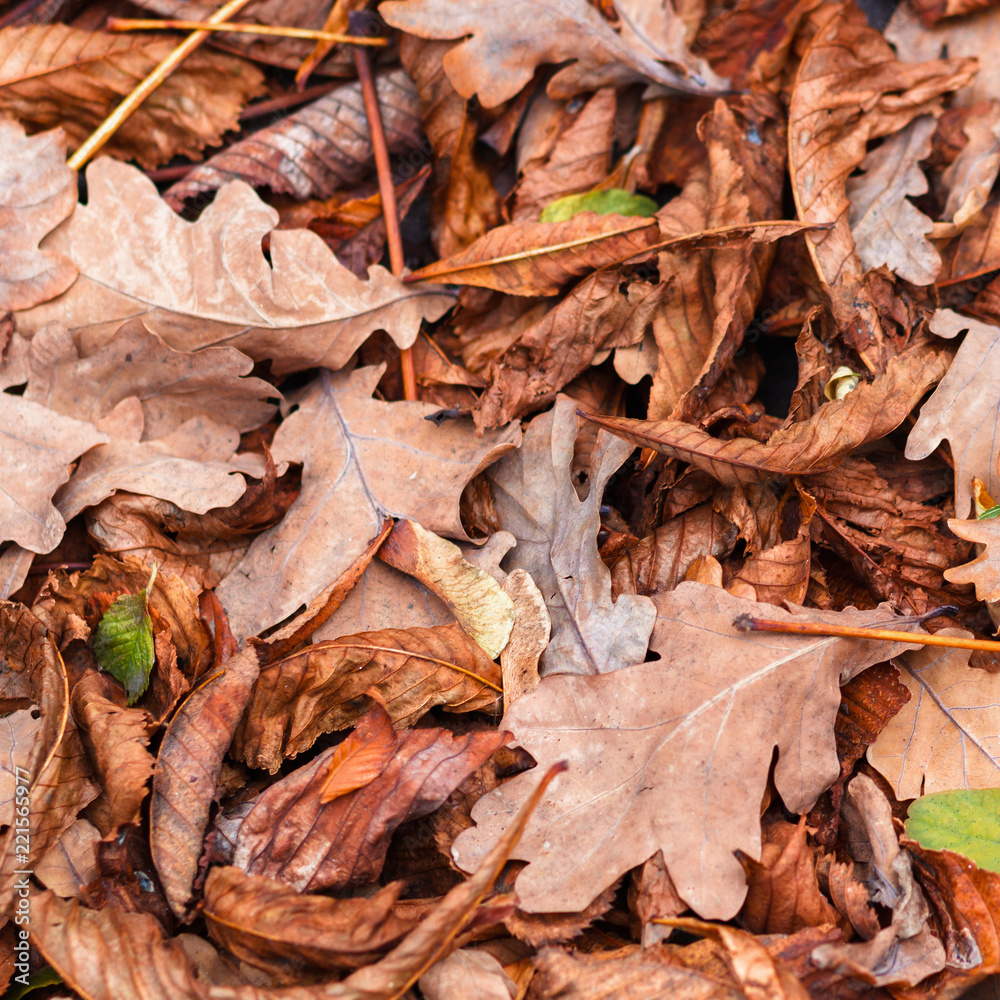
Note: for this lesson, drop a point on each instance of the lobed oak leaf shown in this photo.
(199, 284)
(674, 755)
(317, 149)
(965, 407)
(503, 48)
(54, 74)
(363, 460)
(39, 191)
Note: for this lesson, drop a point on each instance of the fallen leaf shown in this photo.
(813, 445)
(484, 611)
(945, 736)
(982, 572)
(39, 192)
(321, 689)
(362, 757)
(606, 201)
(528, 639)
(501, 53)
(70, 863)
(962, 821)
(171, 385)
(333, 845)
(964, 409)
(887, 228)
(264, 922)
(363, 459)
(38, 447)
(970, 177)
(301, 309)
(557, 545)
(316, 150)
(647, 726)
(54, 74)
(467, 972)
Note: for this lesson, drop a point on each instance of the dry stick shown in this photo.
(745, 623)
(382, 168)
(148, 24)
(114, 121)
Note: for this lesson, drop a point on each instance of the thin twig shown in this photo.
(114, 121)
(151, 24)
(748, 624)
(382, 168)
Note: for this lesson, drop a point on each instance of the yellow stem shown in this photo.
(151, 24)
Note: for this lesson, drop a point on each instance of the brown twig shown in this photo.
(279, 31)
(114, 121)
(382, 168)
(746, 623)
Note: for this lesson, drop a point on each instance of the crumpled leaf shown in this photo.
(321, 689)
(37, 448)
(54, 74)
(363, 459)
(199, 284)
(317, 149)
(962, 820)
(965, 407)
(557, 545)
(850, 89)
(946, 736)
(504, 47)
(343, 842)
(39, 192)
(171, 385)
(484, 611)
(814, 445)
(634, 734)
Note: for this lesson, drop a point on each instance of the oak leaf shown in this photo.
(965, 407)
(53, 74)
(557, 545)
(199, 284)
(362, 459)
(39, 192)
(504, 48)
(663, 757)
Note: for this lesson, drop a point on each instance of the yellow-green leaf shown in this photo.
(123, 643)
(613, 201)
(966, 821)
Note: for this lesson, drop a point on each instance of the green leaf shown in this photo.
(989, 514)
(613, 201)
(123, 643)
(964, 821)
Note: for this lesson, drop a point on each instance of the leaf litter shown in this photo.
(443, 687)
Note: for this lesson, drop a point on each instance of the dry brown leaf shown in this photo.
(504, 47)
(71, 862)
(39, 192)
(969, 179)
(322, 846)
(321, 689)
(172, 386)
(645, 728)
(945, 736)
(467, 972)
(538, 258)
(264, 922)
(528, 639)
(484, 611)
(315, 150)
(814, 445)
(867, 703)
(887, 228)
(363, 460)
(965, 408)
(850, 89)
(983, 571)
(557, 544)
(54, 74)
(362, 757)
(199, 284)
(187, 771)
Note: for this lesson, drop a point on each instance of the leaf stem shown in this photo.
(114, 121)
(152, 24)
(746, 623)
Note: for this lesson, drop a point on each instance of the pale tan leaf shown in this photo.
(983, 572)
(363, 460)
(53, 74)
(970, 177)
(528, 640)
(467, 972)
(70, 863)
(39, 191)
(199, 284)
(661, 760)
(484, 611)
(946, 736)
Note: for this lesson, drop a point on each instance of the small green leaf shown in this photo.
(123, 643)
(613, 201)
(964, 821)
(989, 514)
